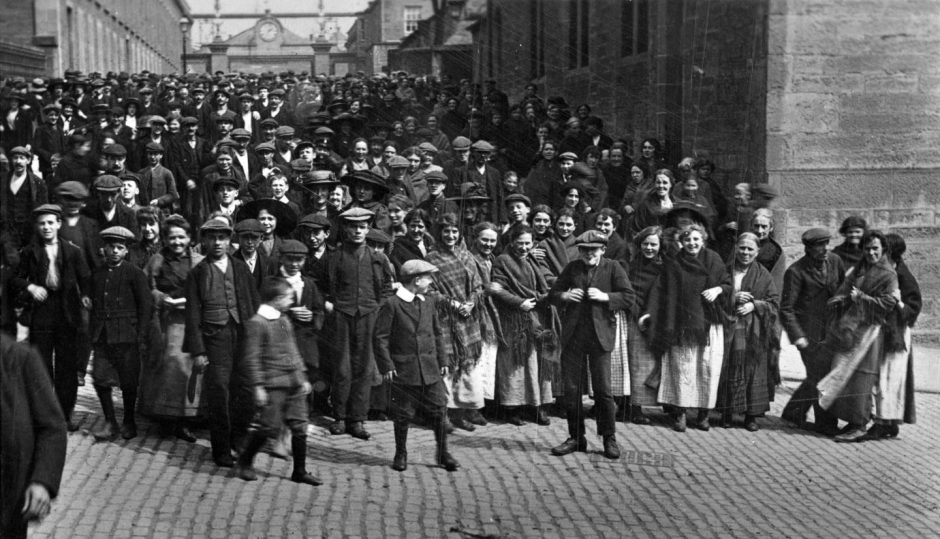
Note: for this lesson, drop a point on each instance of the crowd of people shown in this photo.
(254, 250)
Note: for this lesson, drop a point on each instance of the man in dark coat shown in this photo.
(76, 164)
(220, 299)
(108, 212)
(590, 290)
(186, 157)
(249, 234)
(22, 192)
(32, 441)
(807, 287)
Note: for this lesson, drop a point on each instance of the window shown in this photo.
(578, 33)
(412, 16)
(635, 35)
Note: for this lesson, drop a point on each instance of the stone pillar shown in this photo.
(321, 57)
(219, 59)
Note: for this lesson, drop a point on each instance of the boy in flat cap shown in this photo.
(54, 274)
(157, 184)
(356, 281)
(277, 376)
(22, 191)
(108, 212)
(220, 298)
(121, 306)
(412, 356)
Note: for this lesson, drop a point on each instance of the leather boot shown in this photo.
(298, 446)
(400, 462)
(679, 415)
(637, 415)
(129, 425)
(244, 468)
(444, 458)
(701, 422)
(110, 430)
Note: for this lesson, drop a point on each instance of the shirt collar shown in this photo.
(269, 312)
(407, 295)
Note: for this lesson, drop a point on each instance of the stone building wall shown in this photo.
(853, 124)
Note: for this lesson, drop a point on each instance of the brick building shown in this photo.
(836, 104)
(97, 35)
(380, 27)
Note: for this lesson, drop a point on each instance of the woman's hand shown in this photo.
(301, 314)
(537, 253)
(711, 294)
(596, 294)
(39, 293)
(745, 309)
(465, 310)
(856, 293)
(527, 305)
(743, 297)
(574, 295)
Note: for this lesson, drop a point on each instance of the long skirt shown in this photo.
(520, 383)
(891, 392)
(487, 367)
(642, 364)
(168, 386)
(620, 378)
(744, 387)
(465, 388)
(846, 392)
(690, 374)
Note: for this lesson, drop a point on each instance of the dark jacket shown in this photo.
(121, 304)
(803, 309)
(609, 277)
(264, 267)
(74, 275)
(306, 332)
(381, 276)
(33, 438)
(123, 216)
(416, 352)
(196, 285)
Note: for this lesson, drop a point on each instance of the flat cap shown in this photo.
(427, 147)
(188, 120)
(116, 150)
(377, 236)
(72, 189)
(461, 143)
(218, 223)
(268, 122)
(315, 220)
(323, 132)
(227, 116)
(435, 176)
(278, 92)
(591, 239)
(54, 209)
(52, 107)
(154, 147)
(265, 147)
(116, 234)
(107, 183)
(284, 131)
(20, 150)
(815, 235)
(569, 155)
(517, 197)
(416, 267)
(397, 161)
(300, 165)
(319, 177)
(249, 226)
(130, 177)
(240, 133)
(223, 181)
(293, 247)
(356, 214)
(482, 146)
(155, 119)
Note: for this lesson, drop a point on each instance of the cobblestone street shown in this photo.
(779, 482)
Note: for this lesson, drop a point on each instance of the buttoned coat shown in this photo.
(197, 286)
(409, 340)
(803, 309)
(121, 304)
(74, 275)
(609, 277)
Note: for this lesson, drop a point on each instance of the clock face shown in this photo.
(268, 31)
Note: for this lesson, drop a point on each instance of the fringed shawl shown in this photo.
(851, 317)
(457, 280)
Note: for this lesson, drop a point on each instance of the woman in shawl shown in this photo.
(544, 175)
(686, 327)
(484, 239)
(770, 255)
(529, 351)
(751, 339)
(894, 395)
(459, 292)
(863, 330)
(850, 250)
(169, 386)
(644, 364)
(416, 243)
(560, 247)
(651, 210)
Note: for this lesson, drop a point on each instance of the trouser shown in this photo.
(352, 366)
(227, 400)
(584, 344)
(56, 342)
(817, 359)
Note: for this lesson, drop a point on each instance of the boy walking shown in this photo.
(276, 373)
(415, 360)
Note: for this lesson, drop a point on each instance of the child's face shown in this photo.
(149, 230)
(511, 182)
(129, 190)
(114, 253)
(422, 283)
(283, 302)
(293, 264)
(48, 225)
(435, 188)
(279, 188)
(154, 158)
(226, 194)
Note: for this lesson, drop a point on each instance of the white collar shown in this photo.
(407, 295)
(269, 312)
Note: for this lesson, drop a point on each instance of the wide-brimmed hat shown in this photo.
(286, 218)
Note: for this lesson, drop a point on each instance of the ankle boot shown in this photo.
(444, 458)
(701, 422)
(110, 430)
(679, 415)
(400, 462)
(129, 425)
(298, 445)
(244, 468)
(637, 415)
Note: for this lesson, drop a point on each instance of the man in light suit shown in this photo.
(590, 290)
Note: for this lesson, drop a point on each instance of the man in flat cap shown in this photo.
(355, 280)
(49, 140)
(278, 110)
(458, 166)
(220, 298)
(415, 366)
(121, 306)
(107, 210)
(22, 192)
(589, 291)
(249, 233)
(186, 159)
(55, 276)
(246, 118)
(157, 184)
(808, 284)
(76, 163)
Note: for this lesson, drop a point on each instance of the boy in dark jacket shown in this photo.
(277, 375)
(414, 360)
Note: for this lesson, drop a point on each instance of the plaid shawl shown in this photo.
(458, 280)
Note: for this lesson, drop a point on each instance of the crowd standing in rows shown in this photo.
(363, 247)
